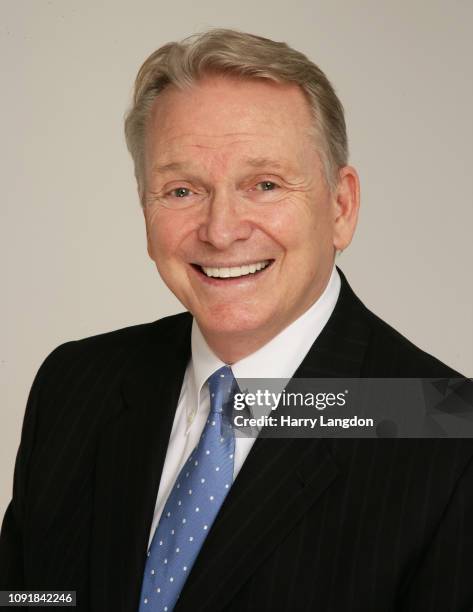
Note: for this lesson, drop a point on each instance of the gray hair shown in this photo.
(229, 52)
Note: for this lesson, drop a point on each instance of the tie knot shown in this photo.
(221, 388)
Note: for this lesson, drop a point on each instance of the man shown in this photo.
(130, 486)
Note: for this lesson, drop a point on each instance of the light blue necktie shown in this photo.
(194, 502)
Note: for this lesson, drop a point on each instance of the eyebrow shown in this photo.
(168, 167)
(261, 162)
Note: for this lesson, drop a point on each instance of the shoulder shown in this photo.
(117, 345)
(388, 353)
(392, 352)
(78, 387)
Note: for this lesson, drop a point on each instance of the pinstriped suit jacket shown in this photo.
(310, 524)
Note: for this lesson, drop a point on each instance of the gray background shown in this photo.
(73, 234)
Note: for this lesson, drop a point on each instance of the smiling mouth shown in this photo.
(234, 271)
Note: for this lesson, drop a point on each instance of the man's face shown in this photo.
(240, 220)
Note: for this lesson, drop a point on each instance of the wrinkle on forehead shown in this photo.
(168, 148)
(202, 140)
(237, 135)
(252, 156)
(252, 162)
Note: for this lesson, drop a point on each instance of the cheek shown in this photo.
(317, 225)
(165, 234)
(301, 225)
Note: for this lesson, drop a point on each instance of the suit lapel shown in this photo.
(340, 349)
(129, 465)
(278, 482)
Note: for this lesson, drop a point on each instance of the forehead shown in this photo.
(222, 115)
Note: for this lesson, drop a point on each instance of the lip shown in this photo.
(230, 264)
(230, 281)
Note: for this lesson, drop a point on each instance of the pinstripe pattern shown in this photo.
(323, 525)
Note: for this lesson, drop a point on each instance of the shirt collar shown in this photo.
(279, 358)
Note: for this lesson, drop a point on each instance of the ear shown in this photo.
(346, 206)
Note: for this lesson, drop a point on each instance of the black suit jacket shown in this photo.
(309, 524)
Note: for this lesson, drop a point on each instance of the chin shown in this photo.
(232, 322)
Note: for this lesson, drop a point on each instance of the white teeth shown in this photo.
(235, 271)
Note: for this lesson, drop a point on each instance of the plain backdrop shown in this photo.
(73, 240)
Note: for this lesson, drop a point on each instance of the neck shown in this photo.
(233, 347)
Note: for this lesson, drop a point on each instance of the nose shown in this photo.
(224, 223)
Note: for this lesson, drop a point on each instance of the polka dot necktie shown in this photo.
(194, 502)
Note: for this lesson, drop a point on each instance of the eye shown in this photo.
(266, 186)
(180, 192)
(265, 191)
(179, 197)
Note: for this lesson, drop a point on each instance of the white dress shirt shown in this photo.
(279, 358)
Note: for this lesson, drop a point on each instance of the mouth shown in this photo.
(234, 272)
